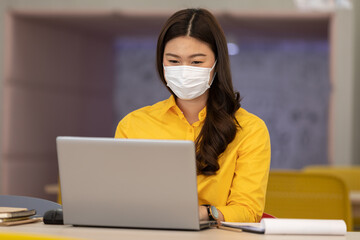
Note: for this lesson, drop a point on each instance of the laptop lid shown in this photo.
(128, 182)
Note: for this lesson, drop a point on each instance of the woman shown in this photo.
(233, 146)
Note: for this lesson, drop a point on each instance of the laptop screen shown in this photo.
(128, 182)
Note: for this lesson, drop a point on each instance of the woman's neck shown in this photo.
(191, 108)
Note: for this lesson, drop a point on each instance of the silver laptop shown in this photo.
(129, 183)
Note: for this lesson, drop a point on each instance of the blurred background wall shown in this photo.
(356, 89)
(283, 77)
(78, 67)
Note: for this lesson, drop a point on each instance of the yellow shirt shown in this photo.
(238, 189)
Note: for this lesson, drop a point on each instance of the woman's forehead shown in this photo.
(186, 46)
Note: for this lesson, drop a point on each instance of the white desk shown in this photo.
(135, 234)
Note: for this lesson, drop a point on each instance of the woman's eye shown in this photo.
(173, 61)
(197, 62)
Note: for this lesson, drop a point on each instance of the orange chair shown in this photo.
(349, 174)
(25, 236)
(308, 195)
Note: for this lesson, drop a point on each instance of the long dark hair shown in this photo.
(220, 124)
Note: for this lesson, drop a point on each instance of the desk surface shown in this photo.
(134, 234)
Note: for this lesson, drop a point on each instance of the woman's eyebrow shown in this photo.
(191, 56)
(197, 55)
(172, 55)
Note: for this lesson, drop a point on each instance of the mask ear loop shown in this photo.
(212, 80)
(213, 65)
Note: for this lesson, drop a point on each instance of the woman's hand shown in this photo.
(203, 215)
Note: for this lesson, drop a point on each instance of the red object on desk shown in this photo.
(266, 215)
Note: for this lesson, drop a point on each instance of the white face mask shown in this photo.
(188, 82)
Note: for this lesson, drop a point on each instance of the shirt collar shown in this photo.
(170, 103)
(202, 114)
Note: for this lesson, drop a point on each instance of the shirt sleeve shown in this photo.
(246, 199)
(121, 129)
